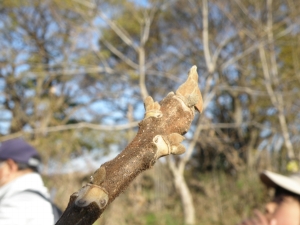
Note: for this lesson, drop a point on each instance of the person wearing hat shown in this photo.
(284, 208)
(23, 196)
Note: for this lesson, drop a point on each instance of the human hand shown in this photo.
(258, 219)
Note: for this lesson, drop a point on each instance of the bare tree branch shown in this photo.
(119, 31)
(71, 127)
(279, 104)
(120, 55)
(256, 46)
(159, 135)
(208, 59)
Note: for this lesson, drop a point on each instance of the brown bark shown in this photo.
(159, 135)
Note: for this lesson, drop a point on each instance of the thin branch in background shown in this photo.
(119, 31)
(205, 35)
(72, 127)
(120, 55)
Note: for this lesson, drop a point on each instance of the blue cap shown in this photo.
(19, 151)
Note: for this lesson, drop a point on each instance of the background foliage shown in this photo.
(73, 76)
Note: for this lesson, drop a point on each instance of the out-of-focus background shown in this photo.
(74, 73)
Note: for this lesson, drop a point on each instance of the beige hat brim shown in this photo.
(291, 183)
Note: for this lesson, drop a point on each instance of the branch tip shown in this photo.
(189, 91)
(193, 69)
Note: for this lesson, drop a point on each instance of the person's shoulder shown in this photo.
(28, 186)
(23, 201)
(31, 204)
(26, 199)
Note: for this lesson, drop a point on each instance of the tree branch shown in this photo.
(120, 55)
(159, 135)
(72, 126)
(208, 59)
(119, 31)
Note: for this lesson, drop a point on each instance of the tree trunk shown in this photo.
(186, 199)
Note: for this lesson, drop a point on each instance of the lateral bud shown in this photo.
(168, 144)
(152, 108)
(99, 176)
(92, 193)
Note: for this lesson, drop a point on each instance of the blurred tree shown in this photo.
(49, 82)
(72, 69)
